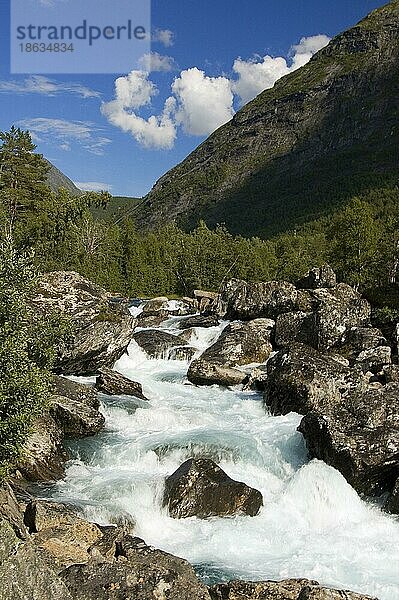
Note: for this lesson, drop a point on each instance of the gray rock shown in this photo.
(74, 418)
(152, 319)
(238, 344)
(201, 488)
(182, 353)
(84, 394)
(318, 277)
(115, 384)
(294, 327)
(102, 327)
(358, 339)
(155, 304)
(199, 321)
(246, 300)
(157, 344)
(375, 359)
(392, 504)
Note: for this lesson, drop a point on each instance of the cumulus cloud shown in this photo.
(166, 37)
(203, 103)
(131, 93)
(199, 104)
(37, 84)
(66, 133)
(93, 186)
(153, 61)
(261, 73)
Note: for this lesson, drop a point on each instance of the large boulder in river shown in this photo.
(199, 321)
(359, 436)
(247, 300)
(238, 344)
(301, 379)
(318, 277)
(113, 383)
(102, 327)
(200, 488)
(158, 344)
(289, 589)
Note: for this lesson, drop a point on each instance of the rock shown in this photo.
(155, 304)
(113, 383)
(257, 379)
(157, 344)
(199, 321)
(43, 454)
(290, 589)
(182, 353)
(74, 418)
(358, 339)
(238, 344)
(301, 379)
(73, 390)
(200, 488)
(392, 504)
(141, 573)
(359, 436)
(61, 536)
(245, 300)
(102, 327)
(152, 319)
(318, 277)
(10, 511)
(294, 327)
(374, 359)
(391, 373)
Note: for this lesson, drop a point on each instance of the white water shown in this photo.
(312, 524)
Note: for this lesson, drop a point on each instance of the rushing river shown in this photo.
(312, 524)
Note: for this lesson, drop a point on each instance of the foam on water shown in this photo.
(313, 524)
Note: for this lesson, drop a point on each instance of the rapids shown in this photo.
(313, 524)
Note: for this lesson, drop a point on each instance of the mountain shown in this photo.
(321, 135)
(56, 180)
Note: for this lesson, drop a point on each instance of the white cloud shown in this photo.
(93, 186)
(131, 93)
(153, 61)
(164, 36)
(37, 84)
(258, 74)
(66, 133)
(203, 103)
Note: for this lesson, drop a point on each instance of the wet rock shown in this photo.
(238, 344)
(141, 572)
(318, 277)
(152, 319)
(85, 394)
(392, 504)
(113, 383)
(301, 379)
(257, 379)
(375, 359)
(199, 321)
(289, 589)
(182, 353)
(201, 488)
(155, 304)
(157, 344)
(359, 436)
(43, 454)
(74, 418)
(246, 300)
(102, 327)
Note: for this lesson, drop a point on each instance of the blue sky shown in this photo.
(208, 58)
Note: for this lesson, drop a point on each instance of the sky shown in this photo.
(122, 131)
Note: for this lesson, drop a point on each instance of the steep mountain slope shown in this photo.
(56, 179)
(323, 134)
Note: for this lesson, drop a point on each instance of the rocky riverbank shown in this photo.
(309, 348)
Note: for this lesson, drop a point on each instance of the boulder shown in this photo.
(199, 321)
(157, 344)
(359, 436)
(257, 379)
(301, 379)
(294, 327)
(358, 339)
(392, 504)
(113, 383)
(375, 359)
(102, 327)
(152, 319)
(202, 489)
(43, 453)
(155, 304)
(289, 589)
(238, 344)
(391, 374)
(140, 573)
(318, 277)
(74, 418)
(246, 300)
(182, 353)
(84, 394)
